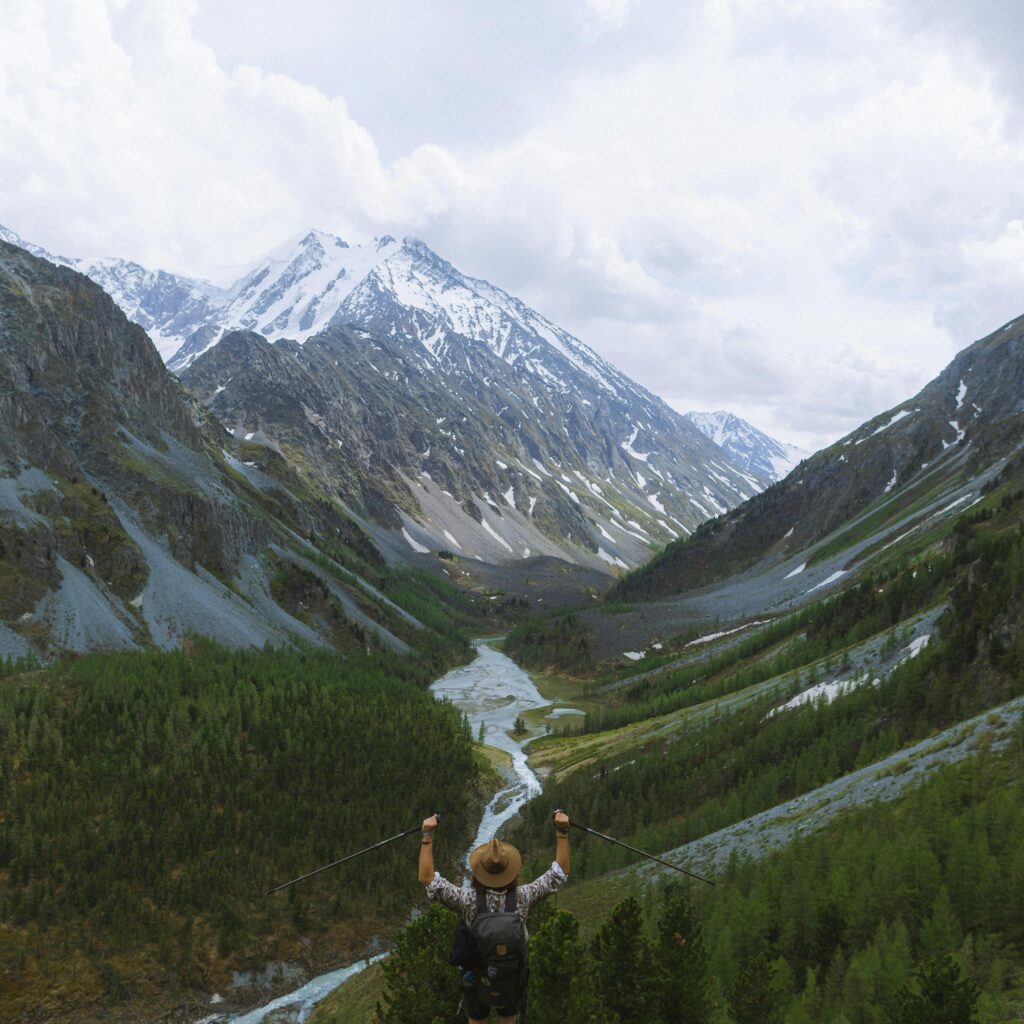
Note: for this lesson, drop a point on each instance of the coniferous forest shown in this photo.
(737, 764)
(909, 913)
(150, 799)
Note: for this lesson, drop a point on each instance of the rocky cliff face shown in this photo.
(961, 427)
(72, 364)
(125, 517)
(170, 307)
(462, 452)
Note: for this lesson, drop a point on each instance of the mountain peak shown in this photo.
(413, 244)
(324, 239)
(747, 446)
(460, 383)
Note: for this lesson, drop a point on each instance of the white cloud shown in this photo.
(797, 211)
(606, 15)
(119, 132)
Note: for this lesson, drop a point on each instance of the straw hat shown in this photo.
(495, 864)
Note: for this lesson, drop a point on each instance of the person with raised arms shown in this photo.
(491, 943)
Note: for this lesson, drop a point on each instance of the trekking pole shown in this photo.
(351, 856)
(649, 856)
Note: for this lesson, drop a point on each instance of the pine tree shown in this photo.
(626, 973)
(421, 986)
(683, 962)
(754, 1000)
(943, 996)
(941, 932)
(557, 963)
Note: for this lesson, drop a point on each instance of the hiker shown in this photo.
(492, 914)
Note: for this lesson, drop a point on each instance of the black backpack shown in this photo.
(502, 951)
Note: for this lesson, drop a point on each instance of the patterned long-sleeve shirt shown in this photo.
(463, 901)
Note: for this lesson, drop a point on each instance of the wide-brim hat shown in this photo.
(495, 864)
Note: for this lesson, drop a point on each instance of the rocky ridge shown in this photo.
(937, 447)
(128, 516)
(467, 419)
(442, 410)
(165, 304)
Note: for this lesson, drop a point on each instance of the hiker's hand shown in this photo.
(561, 822)
(429, 824)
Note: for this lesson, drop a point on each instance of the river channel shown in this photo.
(493, 691)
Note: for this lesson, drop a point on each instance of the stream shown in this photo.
(493, 691)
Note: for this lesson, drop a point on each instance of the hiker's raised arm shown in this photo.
(562, 840)
(427, 850)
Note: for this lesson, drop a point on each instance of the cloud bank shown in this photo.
(795, 210)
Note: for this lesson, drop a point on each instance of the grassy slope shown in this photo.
(354, 1002)
(560, 757)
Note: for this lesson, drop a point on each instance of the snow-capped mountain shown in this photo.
(167, 305)
(295, 292)
(435, 404)
(385, 286)
(747, 446)
(514, 437)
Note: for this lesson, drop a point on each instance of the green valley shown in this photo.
(848, 771)
(237, 622)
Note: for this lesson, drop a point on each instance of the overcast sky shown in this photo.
(798, 210)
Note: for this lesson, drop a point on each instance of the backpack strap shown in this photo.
(511, 900)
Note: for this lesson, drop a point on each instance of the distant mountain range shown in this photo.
(441, 410)
(433, 415)
(747, 446)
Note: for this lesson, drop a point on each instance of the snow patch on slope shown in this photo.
(902, 414)
(839, 574)
(627, 446)
(420, 549)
